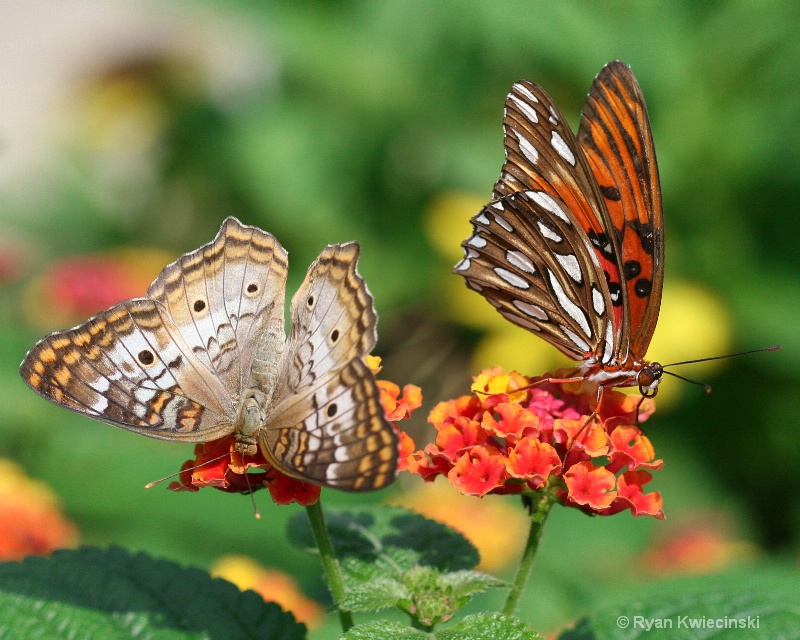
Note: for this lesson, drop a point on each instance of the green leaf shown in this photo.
(382, 630)
(373, 540)
(96, 594)
(392, 557)
(488, 626)
(727, 613)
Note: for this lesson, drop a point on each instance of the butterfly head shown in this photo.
(648, 378)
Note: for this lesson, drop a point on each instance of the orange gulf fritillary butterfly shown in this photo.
(571, 247)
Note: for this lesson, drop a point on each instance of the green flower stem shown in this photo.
(539, 507)
(329, 564)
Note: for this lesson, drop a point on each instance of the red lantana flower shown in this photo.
(511, 437)
(217, 464)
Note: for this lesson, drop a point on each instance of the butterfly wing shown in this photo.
(227, 300)
(529, 258)
(326, 423)
(616, 139)
(131, 367)
(543, 155)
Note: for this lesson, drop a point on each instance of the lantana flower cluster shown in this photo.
(217, 464)
(516, 435)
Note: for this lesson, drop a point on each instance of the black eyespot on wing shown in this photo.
(332, 409)
(310, 301)
(199, 305)
(631, 269)
(610, 193)
(334, 335)
(252, 287)
(146, 357)
(645, 233)
(643, 287)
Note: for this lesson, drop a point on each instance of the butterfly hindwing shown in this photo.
(325, 422)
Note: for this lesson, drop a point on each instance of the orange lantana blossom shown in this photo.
(519, 435)
(217, 464)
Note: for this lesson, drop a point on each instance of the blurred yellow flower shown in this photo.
(31, 522)
(272, 585)
(496, 528)
(446, 222)
(693, 323)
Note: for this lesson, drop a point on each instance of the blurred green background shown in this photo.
(129, 130)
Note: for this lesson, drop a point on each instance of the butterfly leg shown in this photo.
(589, 419)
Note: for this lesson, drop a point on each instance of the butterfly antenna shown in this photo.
(706, 387)
(152, 484)
(774, 347)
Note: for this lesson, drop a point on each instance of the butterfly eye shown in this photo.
(332, 409)
(334, 335)
(146, 357)
(199, 305)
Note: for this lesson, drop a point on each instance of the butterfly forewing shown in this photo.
(527, 257)
(326, 423)
(542, 154)
(130, 366)
(616, 138)
(225, 296)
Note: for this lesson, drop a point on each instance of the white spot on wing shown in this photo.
(482, 219)
(547, 232)
(522, 322)
(466, 261)
(569, 263)
(545, 201)
(503, 223)
(553, 117)
(498, 205)
(477, 241)
(608, 351)
(527, 149)
(597, 302)
(526, 109)
(521, 261)
(512, 278)
(561, 148)
(576, 339)
(521, 88)
(569, 307)
(532, 310)
(101, 384)
(592, 252)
